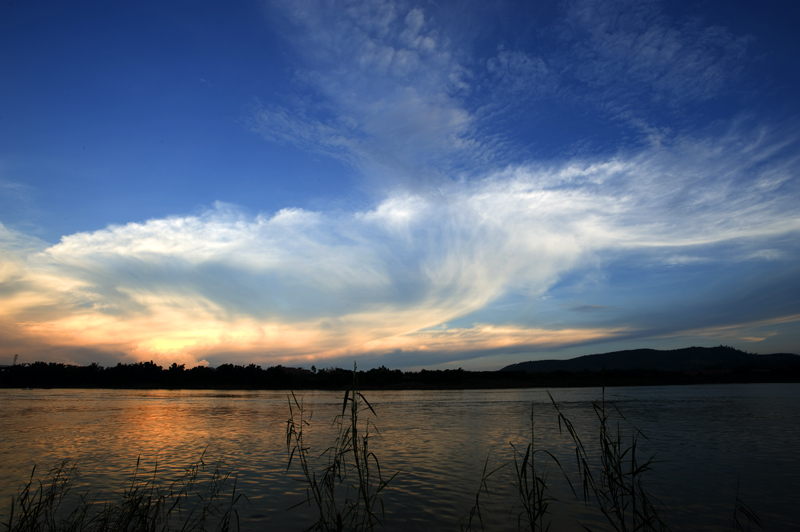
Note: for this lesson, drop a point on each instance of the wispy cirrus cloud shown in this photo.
(623, 49)
(386, 90)
(385, 83)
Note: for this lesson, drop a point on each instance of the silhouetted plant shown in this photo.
(616, 484)
(531, 485)
(743, 511)
(345, 492)
(145, 505)
(475, 516)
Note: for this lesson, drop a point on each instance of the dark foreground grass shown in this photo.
(612, 479)
(201, 499)
(345, 492)
(344, 481)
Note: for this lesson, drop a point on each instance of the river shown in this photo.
(707, 440)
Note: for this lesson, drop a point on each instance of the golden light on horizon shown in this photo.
(170, 334)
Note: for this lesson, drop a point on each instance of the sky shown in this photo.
(435, 184)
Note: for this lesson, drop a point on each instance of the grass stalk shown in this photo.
(615, 485)
(346, 490)
(531, 484)
(741, 511)
(144, 505)
(475, 515)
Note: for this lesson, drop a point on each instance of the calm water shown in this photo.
(707, 439)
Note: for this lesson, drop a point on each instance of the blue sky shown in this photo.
(452, 184)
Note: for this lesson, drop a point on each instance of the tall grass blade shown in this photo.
(475, 511)
(345, 491)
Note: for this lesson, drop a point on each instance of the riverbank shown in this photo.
(148, 376)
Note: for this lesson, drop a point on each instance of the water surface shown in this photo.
(707, 439)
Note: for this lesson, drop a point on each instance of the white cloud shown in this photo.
(767, 254)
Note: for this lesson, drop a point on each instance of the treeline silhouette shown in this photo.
(148, 375)
(151, 375)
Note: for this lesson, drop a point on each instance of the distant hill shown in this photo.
(686, 359)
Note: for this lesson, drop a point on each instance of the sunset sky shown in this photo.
(435, 184)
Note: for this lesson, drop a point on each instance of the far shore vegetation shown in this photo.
(694, 365)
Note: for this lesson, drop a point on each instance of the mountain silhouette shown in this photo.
(686, 359)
